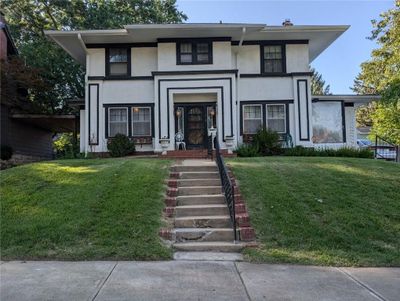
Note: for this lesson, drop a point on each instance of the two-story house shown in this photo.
(153, 81)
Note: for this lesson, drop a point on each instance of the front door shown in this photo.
(195, 127)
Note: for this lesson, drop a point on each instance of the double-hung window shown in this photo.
(117, 121)
(118, 62)
(276, 118)
(252, 118)
(273, 59)
(194, 53)
(141, 121)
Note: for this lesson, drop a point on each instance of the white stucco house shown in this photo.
(153, 81)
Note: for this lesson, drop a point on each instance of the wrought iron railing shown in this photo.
(228, 187)
(210, 146)
(385, 150)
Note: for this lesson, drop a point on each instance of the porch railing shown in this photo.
(229, 189)
(385, 150)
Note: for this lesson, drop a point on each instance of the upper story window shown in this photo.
(194, 53)
(118, 62)
(273, 59)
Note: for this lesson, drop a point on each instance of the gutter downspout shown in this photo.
(86, 93)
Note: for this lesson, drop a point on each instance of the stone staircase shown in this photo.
(200, 215)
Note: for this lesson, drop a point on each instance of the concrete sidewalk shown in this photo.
(193, 280)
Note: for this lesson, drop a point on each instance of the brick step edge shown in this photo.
(246, 231)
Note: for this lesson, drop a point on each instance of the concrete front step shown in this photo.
(203, 234)
(199, 190)
(200, 199)
(217, 246)
(201, 210)
(199, 175)
(191, 168)
(199, 182)
(214, 221)
(207, 256)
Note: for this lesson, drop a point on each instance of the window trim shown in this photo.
(264, 103)
(266, 115)
(128, 106)
(151, 121)
(109, 120)
(107, 59)
(262, 116)
(262, 58)
(194, 43)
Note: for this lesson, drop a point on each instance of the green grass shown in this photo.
(324, 211)
(83, 210)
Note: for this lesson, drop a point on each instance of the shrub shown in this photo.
(65, 147)
(6, 152)
(246, 150)
(120, 146)
(267, 142)
(328, 152)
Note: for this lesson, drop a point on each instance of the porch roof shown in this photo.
(319, 37)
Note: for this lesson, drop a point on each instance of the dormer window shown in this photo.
(194, 52)
(273, 59)
(118, 62)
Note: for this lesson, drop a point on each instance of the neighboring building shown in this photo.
(152, 81)
(29, 135)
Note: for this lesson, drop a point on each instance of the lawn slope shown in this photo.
(83, 210)
(326, 211)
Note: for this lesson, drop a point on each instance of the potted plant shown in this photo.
(164, 141)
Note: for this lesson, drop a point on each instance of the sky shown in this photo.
(340, 63)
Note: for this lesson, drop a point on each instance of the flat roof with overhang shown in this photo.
(318, 37)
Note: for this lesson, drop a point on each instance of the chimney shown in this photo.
(287, 23)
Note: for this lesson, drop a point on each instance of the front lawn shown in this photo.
(325, 211)
(83, 210)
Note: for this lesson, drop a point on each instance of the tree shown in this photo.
(318, 84)
(381, 74)
(19, 81)
(29, 18)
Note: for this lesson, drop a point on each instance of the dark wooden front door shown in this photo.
(195, 127)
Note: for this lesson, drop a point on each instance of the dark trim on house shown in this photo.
(120, 77)
(192, 72)
(120, 45)
(285, 102)
(269, 42)
(107, 60)
(206, 39)
(343, 105)
(210, 87)
(194, 53)
(129, 106)
(97, 112)
(292, 74)
(298, 110)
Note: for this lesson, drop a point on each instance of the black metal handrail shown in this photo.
(229, 188)
(383, 149)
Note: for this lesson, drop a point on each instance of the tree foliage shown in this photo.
(318, 85)
(381, 75)
(28, 19)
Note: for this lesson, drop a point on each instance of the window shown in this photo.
(273, 61)
(117, 121)
(141, 121)
(252, 118)
(192, 53)
(118, 62)
(276, 118)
